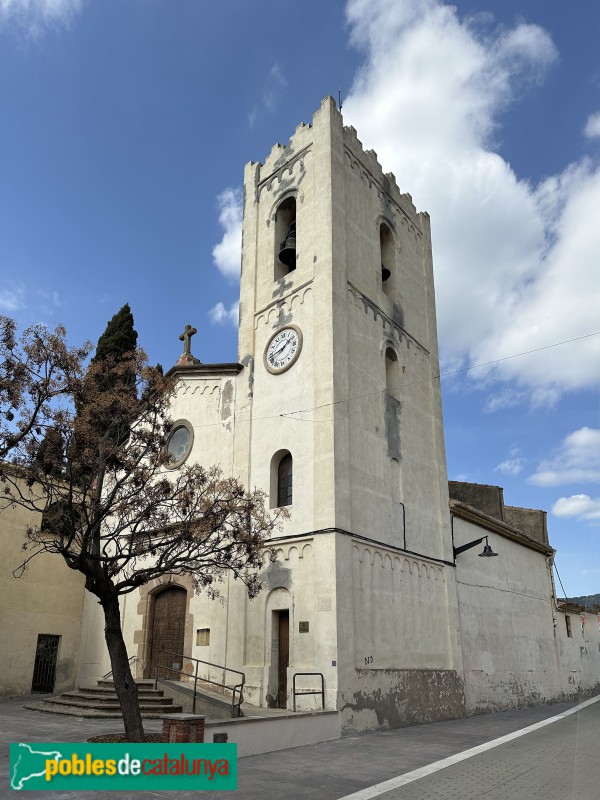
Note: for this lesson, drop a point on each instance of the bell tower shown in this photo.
(337, 261)
(338, 418)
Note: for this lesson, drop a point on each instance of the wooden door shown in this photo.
(284, 658)
(168, 633)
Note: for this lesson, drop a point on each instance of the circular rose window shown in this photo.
(179, 443)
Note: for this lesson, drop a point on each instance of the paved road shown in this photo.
(556, 762)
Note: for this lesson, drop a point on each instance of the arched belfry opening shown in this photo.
(387, 257)
(285, 237)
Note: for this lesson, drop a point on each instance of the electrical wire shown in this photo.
(380, 392)
(559, 580)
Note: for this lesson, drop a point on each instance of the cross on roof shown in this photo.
(186, 337)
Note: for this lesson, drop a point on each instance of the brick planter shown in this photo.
(182, 728)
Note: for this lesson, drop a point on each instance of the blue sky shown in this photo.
(125, 125)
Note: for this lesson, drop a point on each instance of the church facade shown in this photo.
(333, 409)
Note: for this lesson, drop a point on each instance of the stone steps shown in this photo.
(101, 702)
(101, 691)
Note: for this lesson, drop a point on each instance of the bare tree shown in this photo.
(37, 371)
(116, 512)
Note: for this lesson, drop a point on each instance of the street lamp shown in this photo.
(487, 551)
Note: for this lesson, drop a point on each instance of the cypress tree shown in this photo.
(119, 338)
(106, 406)
(50, 454)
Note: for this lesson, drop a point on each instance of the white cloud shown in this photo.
(50, 296)
(511, 466)
(12, 299)
(271, 94)
(227, 253)
(592, 126)
(222, 315)
(576, 461)
(516, 264)
(580, 506)
(274, 89)
(35, 16)
(506, 397)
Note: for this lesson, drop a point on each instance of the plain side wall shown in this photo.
(47, 599)
(514, 655)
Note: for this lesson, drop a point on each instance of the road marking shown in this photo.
(408, 777)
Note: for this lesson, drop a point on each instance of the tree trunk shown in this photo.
(125, 685)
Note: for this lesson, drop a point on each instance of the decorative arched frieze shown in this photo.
(271, 315)
(200, 388)
(390, 328)
(386, 189)
(307, 551)
(290, 167)
(380, 558)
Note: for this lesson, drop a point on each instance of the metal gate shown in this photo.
(44, 669)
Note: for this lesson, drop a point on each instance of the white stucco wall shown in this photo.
(47, 599)
(513, 653)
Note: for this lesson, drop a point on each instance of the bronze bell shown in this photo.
(385, 273)
(287, 251)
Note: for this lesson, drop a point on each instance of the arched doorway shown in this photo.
(278, 657)
(168, 631)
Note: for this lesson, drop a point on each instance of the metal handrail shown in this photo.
(320, 691)
(236, 707)
(130, 660)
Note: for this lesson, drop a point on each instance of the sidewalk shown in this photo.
(332, 770)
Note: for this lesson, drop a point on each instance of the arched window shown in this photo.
(392, 372)
(284, 481)
(386, 250)
(285, 238)
(281, 479)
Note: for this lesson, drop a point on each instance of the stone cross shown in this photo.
(186, 337)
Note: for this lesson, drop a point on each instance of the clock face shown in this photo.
(283, 349)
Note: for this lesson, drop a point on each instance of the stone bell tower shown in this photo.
(335, 257)
(338, 418)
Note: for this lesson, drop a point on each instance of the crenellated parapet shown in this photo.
(285, 160)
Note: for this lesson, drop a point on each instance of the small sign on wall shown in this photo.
(303, 627)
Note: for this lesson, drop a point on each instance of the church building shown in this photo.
(333, 409)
